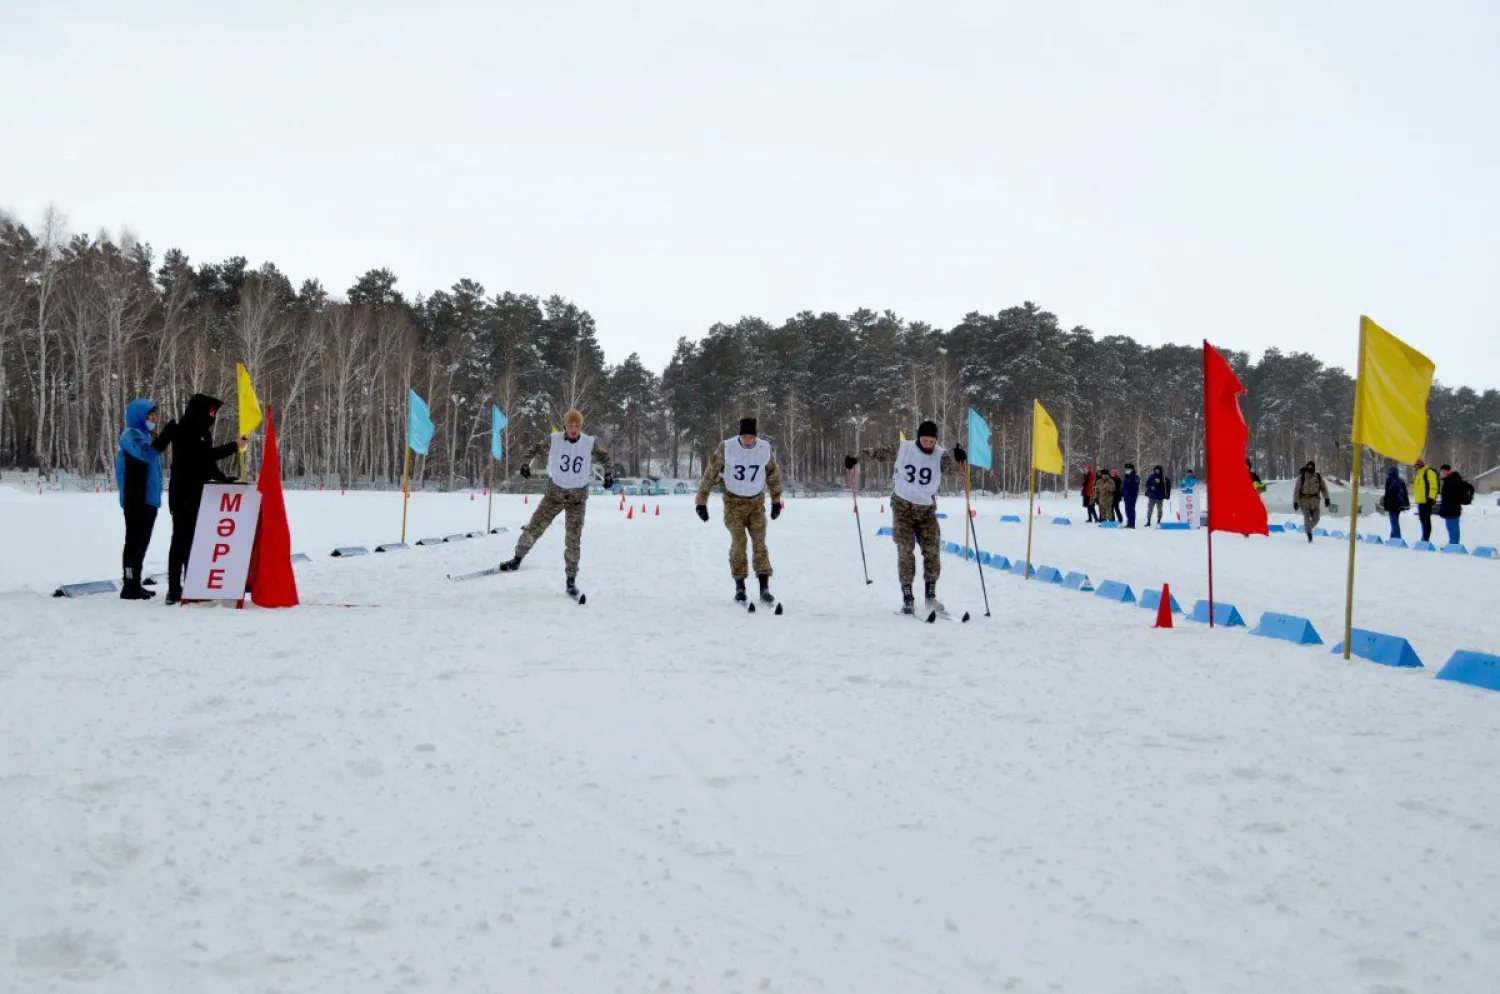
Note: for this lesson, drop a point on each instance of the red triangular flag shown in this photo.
(1233, 503)
(272, 582)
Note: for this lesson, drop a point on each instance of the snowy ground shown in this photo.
(483, 787)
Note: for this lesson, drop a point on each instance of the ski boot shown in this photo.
(766, 597)
(571, 588)
(739, 590)
(511, 565)
(933, 604)
(908, 602)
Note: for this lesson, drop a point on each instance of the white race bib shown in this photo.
(918, 475)
(570, 464)
(745, 469)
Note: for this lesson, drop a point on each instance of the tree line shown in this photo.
(89, 322)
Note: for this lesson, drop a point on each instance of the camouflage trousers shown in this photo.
(746, 516)
(1153, 507)
(554, 502)
(911, 524)
(1312, 513)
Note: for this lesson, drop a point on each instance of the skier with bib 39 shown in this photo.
(919, 468)
(744, 468)
(570, 465)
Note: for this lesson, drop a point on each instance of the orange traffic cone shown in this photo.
(658, 510)
(643, 507)
(471, 495)
(630, 516)
(882, 508)
(1164, 609)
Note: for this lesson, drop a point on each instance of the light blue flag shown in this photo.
(979, 441)
(497, 438)
(419, 427)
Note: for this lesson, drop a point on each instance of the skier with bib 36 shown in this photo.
(570, 465)
(919, 468)
(744, 468)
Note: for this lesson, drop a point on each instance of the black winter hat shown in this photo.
(747, 427)
(927, 429)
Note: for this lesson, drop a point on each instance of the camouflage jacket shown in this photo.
(713, 475)
(1308, 489)
(541, 449)
(1104, 488)
(888, 453)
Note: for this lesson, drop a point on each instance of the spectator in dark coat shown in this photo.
(138, 478)
(1158, 490)
(1455, 494)
(1395, 500)
(1130, 492)
(1119, 511)
(195, 463)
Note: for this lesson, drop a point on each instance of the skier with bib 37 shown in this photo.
(570, 465)
(919, 468)
(744, 468)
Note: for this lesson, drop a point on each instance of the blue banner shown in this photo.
(497, 437)
(979, 441)
(419, 427)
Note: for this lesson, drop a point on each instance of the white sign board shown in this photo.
(219, 565)
(1189, 501)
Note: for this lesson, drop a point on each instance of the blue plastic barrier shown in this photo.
(1372, 539)
(1151, 599)
(1020, 568)
(1078, 581)
(1477, 669)
(454, 538)
(431, 541)
(883, 531)
(1016, 518)
(1062, 521)
(1487, 552)
(1455, 550)
(1175, 526)
(1114, 590)
(984, 558)
(1048, 574)
(501, 530)
(1320, 533)
(1337, 534)
(347, 551)
(1377, 647)
(942, 516)
(1109, 524)
(1288, 628)
(1292, 526)
(1425, 547)
(392, 547)
(951, 548)
(89, 589)
(475, 535)
(999, 562)
(1275, 529)
(1396, 543)
(301, 557)
(1225, 615)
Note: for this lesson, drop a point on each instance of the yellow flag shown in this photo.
(1045, 455)
(250, 417)
(902, 434)
(1390, 396)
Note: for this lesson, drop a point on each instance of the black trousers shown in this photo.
(1424, 512)
(140, 521)
(184, 521)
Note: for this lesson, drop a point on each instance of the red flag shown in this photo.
(272, 582)
(1233, 504)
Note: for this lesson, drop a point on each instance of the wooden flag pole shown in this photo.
(405, 488)
(489, 513)
(1353, 536)
(1030, 516)
(1207, 483)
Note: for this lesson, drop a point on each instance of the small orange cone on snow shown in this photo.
(471, 495)
(658, 510)
(882, 508)
(631, 515)
(1164, 609)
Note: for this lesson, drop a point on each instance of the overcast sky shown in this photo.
(1257, 172)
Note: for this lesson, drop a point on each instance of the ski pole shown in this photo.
(969, 511)
(859, 528)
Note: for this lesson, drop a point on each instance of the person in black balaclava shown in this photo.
(195, 463)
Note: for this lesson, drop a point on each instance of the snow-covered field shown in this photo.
(483, 787)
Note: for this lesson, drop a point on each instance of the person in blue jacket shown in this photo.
(1130, 491)
(138, 478)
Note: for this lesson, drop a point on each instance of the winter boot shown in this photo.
(908, 602)
(933, 604)
(739, 590)
(130, 587)
(572, 588)
(766, 597)
(1309, 535)
(511, 565)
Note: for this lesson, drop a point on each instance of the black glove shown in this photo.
(526, 471)
(959, 455)
(702, 512)
(851, 461)
(1327, 502)
(609, 481)
(775, 509)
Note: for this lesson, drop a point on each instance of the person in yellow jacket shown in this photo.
(1424, 492)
